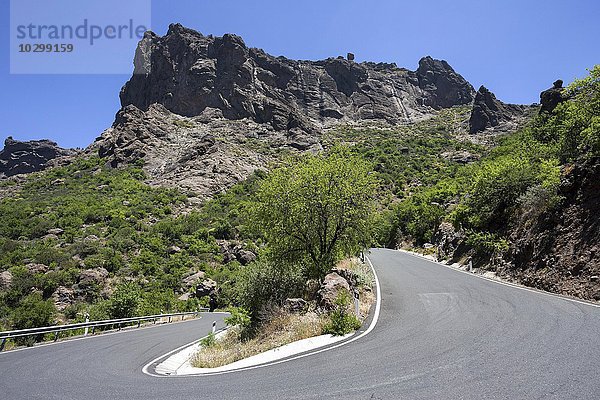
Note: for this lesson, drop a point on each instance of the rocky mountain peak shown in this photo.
(25, 157)
(442, 86)
(188, 72)
(489, 112)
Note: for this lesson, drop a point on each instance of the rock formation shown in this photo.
(25, 157)
(552, 97)
(489, 112)
(202, 111)
(188, 72)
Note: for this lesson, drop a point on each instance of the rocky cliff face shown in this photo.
(204, 111)
(489, 112)
(559, 251)
(26, 157)
(188, 73)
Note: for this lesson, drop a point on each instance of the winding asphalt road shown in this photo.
(442, 334)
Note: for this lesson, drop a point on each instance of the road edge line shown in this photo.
(291, 358)
(501, 281)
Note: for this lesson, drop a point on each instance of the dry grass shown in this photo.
(281, 329)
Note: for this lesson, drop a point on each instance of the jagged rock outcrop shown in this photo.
(203, 112)
(552, 97)
(25, 157)
(489, 112)
(188, 72)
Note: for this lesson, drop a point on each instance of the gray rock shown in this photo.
(189, 281)
(185, 297)
(190, 115)
(442, 87)
(5, 279)
(552, 97)
(489, 112)
(245, 257)
(174, 250)
(93, 276)
(206, 288)
(55, 231)
(34, 268)
(295, 305)
(25, 157)
(348, 275)
(331, 286)
(192, 72)
(63, 297)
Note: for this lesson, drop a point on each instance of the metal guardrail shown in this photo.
(57, 329)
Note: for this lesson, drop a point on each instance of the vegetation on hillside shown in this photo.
(516, 181)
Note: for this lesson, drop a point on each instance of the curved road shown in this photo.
(442, 334)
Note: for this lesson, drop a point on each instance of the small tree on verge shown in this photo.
(315, 211)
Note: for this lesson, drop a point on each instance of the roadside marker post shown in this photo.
(356, 303)
(214, 327)
(87, 319)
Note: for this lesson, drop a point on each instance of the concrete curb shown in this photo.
(177, 362)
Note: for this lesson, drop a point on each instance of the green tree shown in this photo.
(318, 209)
(125, 301)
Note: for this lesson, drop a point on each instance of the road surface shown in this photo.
(441, 334)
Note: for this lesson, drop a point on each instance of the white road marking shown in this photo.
(369, 329)
(502, 282)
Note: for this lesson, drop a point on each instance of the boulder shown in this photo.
(5, 279)
(206, 288)
(174, 250)
(191, 280)
(185, 297)
(93, 276)
(348, 275)
(331, 286)
(245, 257)
(25, 157)
(295, 305)
(552, 97)
(34, 268)
(63, 297)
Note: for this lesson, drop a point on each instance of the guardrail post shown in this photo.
(139, 322)
(2, 344)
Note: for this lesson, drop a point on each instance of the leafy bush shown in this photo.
(125, 301)
(341, 321)
(239, 317)
(209, 340)
(262, 283)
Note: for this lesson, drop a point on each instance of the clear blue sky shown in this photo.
(514, 47)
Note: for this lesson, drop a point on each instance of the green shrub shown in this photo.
(262, 283)
(33, 312)
(341, 322)
(209, 340)
(239, 317)
(125, 301)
